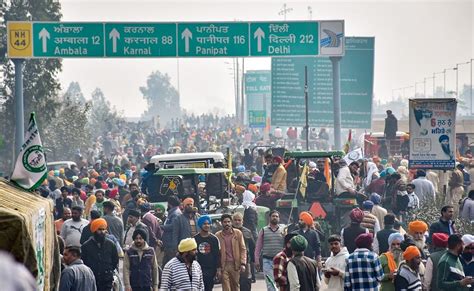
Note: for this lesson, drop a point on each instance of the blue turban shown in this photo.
(203, 219)
(391, 170)
(118, 182)
(368, 204)
(395, 236)
(374, 197)
(241, 169)
(383, 174)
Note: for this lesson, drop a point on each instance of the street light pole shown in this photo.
(444, 83)
(472, 112)
(416, 86)
(434, 82)
(457, 75)
(284, 11)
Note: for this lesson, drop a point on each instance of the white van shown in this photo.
(187, 160)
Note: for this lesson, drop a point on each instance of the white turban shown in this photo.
(468, 239)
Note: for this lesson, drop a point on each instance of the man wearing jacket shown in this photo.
(233, 254)
(302, 271)
(167, 227)
(335, 265)
(279, 176)
(245, 278)
(76, 276)
(140, 269)
(153, 226)
(440, 244)
(445, 223)
(185, 225)
(450, 270)
(456, 183)
(100, 254)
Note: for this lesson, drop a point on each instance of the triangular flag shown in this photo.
(30, 168)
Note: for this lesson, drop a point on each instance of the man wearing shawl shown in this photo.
(390, 261)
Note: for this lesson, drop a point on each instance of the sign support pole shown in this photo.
(19, 110)
(306, 127)
(336, 85)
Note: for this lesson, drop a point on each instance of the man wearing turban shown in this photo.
(408, 277)
(100, 254)
(185, 225)
(417, 230)
(349, 234)
(140, 267)
(367, 276)
(183, 271)
(207, 251)
(390, 261)
(439, 244)
(302, 271)
(467, 259)
(305, 223)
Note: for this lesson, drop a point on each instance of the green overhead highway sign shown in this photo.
(57, 39)
(140, 40)
(186, 39)
(284, 38)
(213, 39)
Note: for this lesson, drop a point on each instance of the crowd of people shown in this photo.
(113, 237)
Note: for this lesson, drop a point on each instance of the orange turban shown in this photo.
(93, 181)
(188, 200)
(417, 226)
(111, 175)
(98, 223)
(94, 174)
(253, 188)
(306, 217)
(410, 253)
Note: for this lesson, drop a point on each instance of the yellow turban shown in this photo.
(186, 245)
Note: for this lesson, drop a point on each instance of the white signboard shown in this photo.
(432, 133)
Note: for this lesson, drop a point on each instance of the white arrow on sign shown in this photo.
(44, 36)
(114, 35)
(259, 34)
(186, 34)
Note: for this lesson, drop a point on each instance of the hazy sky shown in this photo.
(413, 39)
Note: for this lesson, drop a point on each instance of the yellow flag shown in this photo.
(304, 181)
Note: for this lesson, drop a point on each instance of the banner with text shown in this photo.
(357, 80)
(432, 133)
(258, 93)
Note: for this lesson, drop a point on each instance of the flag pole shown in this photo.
(296, 193)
